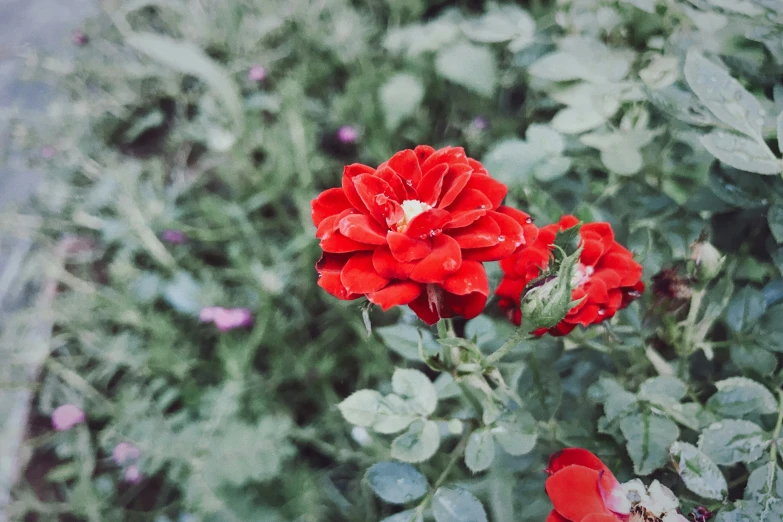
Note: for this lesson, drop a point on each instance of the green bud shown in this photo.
(706, 261)
(546, 305)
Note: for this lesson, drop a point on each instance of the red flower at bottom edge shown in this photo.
(608, 278)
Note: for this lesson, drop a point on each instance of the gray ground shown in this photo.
(44, 25)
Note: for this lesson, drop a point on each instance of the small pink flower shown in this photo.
(480, 123)
(66, 417)
(79, 38)
(256, 73)
(226, 318)
(125, 452)
(132, 474)
(347, 134)
(48, 152)
(176, 237)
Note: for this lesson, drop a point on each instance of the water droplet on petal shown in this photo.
(602, 312)
(501, 238)
(409, 182)
(529, 220)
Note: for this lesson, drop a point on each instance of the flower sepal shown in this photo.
(545, 305)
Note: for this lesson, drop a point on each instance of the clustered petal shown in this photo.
(415, 231)
(583, 489)
(607, 280)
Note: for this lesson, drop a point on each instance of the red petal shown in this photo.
(603, 230)
(509, 239)
(359, 275)
(596, 289)
(395, 294)
(554, 516)
(494, 190)
(483, 232)
(574, 492)
(477, 167)
(567, 221)
(362, 229)
(389, 267)
(423, 152)
(452, 190)
(379, 198)
(586, 315)
(390, 176)
(575, 456)
(448, 155)
(431, 184)
(349, 173)
(333, 241)
(591, 251)
(428, 224)
(426, 311)
(470, 199)
(329, 268)
(510, 288)
(467, 306)
(471, 277)
(326, 226)
(407, 166)
(445, 259)
(599, 517)
(328, 203)
(463, 219)
(529, 229)
(405, 248)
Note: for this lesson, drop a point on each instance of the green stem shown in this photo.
(454, 456)
(518, 335)
(773, 448)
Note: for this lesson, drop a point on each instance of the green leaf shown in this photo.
(361, 407)
(394, 414)
(454, 504)
(470, 66)
(644, 5)
(745, 309)
(698, 472)
(775, 220)
(724, 96)
(738, 396)
(404, 340)
(749, 357)
(418, 444)
(518, 435)
(648, 437)
(780, 131)
(187, 58)
(741, 152)
(400, 97)
(480, 451)
(501, 24)
(663, 386)
(183, 293)
(395, 482)
(765, 483)
(625, 161)
(541, 386)
(482, 329)
(730, 441)
(417, 389)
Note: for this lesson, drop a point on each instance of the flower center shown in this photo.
(411, 208)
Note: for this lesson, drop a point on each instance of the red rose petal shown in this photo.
(362, 229)
(429, 187)
(510, 238)
(395, 294)
(467, 306)
(586, 315)
(359, 275)
(603, 230)
(448, 155)
(407, 166)
(405, 248)
(333, 241)
(326, 226)
(599, 517)
(481, 233)
(349, 173)
(567, 221)
(575, 456)
(425, 310)
(574, 492)
(477, 167)
(328, 203)
(452, 190)
(529, 230)
(391, 177)
(463, 219)
(471, 277)
(428, 224)
(445, 259)
(510, 288)
(423, 152)
(493, 189)
(591, 252)
(596, 289)
(376, 195)
(331, 283)
(470, 199)
(389, 267)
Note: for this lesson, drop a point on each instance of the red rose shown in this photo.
(583, 489)
(608, 278)
(415, 231)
